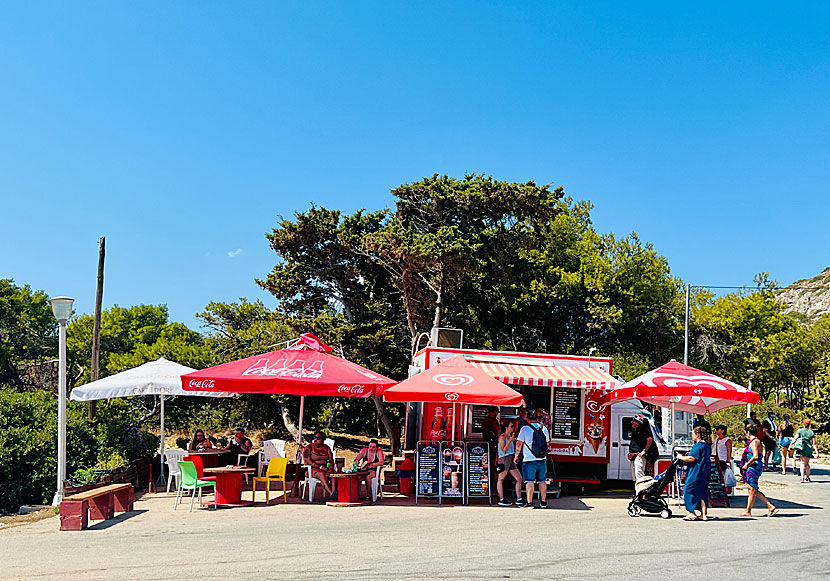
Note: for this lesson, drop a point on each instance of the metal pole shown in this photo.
(61, 413)
(686, 334)
(300, 438)
(161, 437)
(749, 405)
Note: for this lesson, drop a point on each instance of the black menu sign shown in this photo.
(452, 469)
(478, 470)
(427, 469)
(479, 415)
(717, 493)
(565, 423)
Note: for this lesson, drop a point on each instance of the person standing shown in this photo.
(752, 467)
(696, 486)
(532, 443)
(722, 451)
(786, 432)
(642, 449)
(506, 465)
(770, 436)
(804, 446)
(701, 420)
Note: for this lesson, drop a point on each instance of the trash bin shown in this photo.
(406, 477)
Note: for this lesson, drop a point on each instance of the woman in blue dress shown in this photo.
(696, 486)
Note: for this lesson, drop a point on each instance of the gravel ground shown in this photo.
(587, 537)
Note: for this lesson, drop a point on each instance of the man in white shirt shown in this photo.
(532, 443)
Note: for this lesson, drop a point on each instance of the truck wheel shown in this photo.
(666, 513)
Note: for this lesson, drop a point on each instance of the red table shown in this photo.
(229, 485)
(348, 488)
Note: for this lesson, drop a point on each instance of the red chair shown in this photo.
(200, 469)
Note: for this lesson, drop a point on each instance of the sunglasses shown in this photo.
(317, 438)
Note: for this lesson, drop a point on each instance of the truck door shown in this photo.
(623, 463)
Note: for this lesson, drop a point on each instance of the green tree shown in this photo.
(27, 336)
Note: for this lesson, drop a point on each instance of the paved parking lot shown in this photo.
(579, 537)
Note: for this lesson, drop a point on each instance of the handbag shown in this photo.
(776, 456)
(797, 444)
(729, 478)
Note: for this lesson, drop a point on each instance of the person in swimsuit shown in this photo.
(786, 432)
(752, 467)
(506, 450)
(319, 457)
(369, 458)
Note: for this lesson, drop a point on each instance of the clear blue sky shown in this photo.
(180, 131)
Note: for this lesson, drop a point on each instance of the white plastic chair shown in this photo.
(173, 457)
(242, 460)
(377, 488)
(310, 482)
(270, 449)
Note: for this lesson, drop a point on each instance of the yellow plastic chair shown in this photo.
(275, 473)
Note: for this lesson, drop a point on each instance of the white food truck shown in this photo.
(588, 439)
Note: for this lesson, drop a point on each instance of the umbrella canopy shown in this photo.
(687, 388)
(160, 377)
(293, 371)
(455, 380)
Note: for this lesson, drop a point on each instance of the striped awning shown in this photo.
(548, 376)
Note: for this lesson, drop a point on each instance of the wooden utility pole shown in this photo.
(96, 330)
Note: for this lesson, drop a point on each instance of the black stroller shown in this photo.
(648, 493)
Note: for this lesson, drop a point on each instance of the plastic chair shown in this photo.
(173, 457)
(377, 488)
(200, 470)
(275, 473)
(190, 481)
(270, 449)
(308, 482)
(242, 460)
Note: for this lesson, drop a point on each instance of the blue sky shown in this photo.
(181, 131)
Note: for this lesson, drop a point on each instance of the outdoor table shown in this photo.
(348, 488)
(229, 485)
(210, 457)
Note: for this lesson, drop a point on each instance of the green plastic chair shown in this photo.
(190, 481)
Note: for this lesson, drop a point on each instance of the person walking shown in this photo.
(696, 486)
(786, 433)
(805, 446)
(533, 445)
(642, 448)
(752, 467)
(722, 451)
(506, 465)
(770, 428)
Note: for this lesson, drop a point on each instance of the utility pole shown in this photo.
(96, 330)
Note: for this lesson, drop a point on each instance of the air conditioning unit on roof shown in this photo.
(443, 337)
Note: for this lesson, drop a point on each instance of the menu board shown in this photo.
(479, 414)
(427, 469)
(452, 469)
(717, 492)
(565, 424)
(478, 470)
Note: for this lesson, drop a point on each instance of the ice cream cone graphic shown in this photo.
(595, 442)
(595, 432)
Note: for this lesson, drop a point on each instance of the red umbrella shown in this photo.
(294, 371)
(686, 388)
(455, 380)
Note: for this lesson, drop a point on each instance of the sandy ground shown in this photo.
(577, 538)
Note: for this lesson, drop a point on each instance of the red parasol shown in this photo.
(455, 380)
(686, 388)
(297, 370)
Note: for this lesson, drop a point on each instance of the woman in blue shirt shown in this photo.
(696, 487)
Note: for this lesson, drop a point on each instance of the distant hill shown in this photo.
(810, 296)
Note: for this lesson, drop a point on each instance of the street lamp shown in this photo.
(750, 373)
(62, 309)
(590, 351)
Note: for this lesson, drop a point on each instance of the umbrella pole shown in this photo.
(454, 420)
(295, 490)
(161, 437)
(671, 441)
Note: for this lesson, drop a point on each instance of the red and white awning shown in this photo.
(548, 376)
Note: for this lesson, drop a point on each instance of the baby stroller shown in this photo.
(648, 493)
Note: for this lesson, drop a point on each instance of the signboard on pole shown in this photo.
(478, 470)
(452, 470)
(426, 470)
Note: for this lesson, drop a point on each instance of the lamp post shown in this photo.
(590, 352)
(750, 373)
(62, 309)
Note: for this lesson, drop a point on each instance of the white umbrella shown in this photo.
(160, 377)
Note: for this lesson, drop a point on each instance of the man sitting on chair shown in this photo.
(369, 458)
(239, 444)
(320, 458)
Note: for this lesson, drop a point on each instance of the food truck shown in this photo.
(587, 437)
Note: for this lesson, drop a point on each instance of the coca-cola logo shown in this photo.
(451, 396)
(202, 383)
(452, 380)
(351, 389)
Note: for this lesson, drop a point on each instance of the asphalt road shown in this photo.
(577, 538)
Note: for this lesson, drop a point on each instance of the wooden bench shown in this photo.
(583, 480)
(96, 504)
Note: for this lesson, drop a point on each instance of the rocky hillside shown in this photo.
(810, 296)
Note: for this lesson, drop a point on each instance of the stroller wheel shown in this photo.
(666, 513)
(633, 510)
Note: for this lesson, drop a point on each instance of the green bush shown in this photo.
(823, 443)
(733, 418)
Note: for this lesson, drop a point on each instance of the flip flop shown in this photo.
(690, 517)
(773, 512)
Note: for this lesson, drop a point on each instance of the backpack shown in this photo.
(539, 447)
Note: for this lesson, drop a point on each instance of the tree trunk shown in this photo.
(439, 301)
(383, 417)
(289, 425)
(333, 415)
